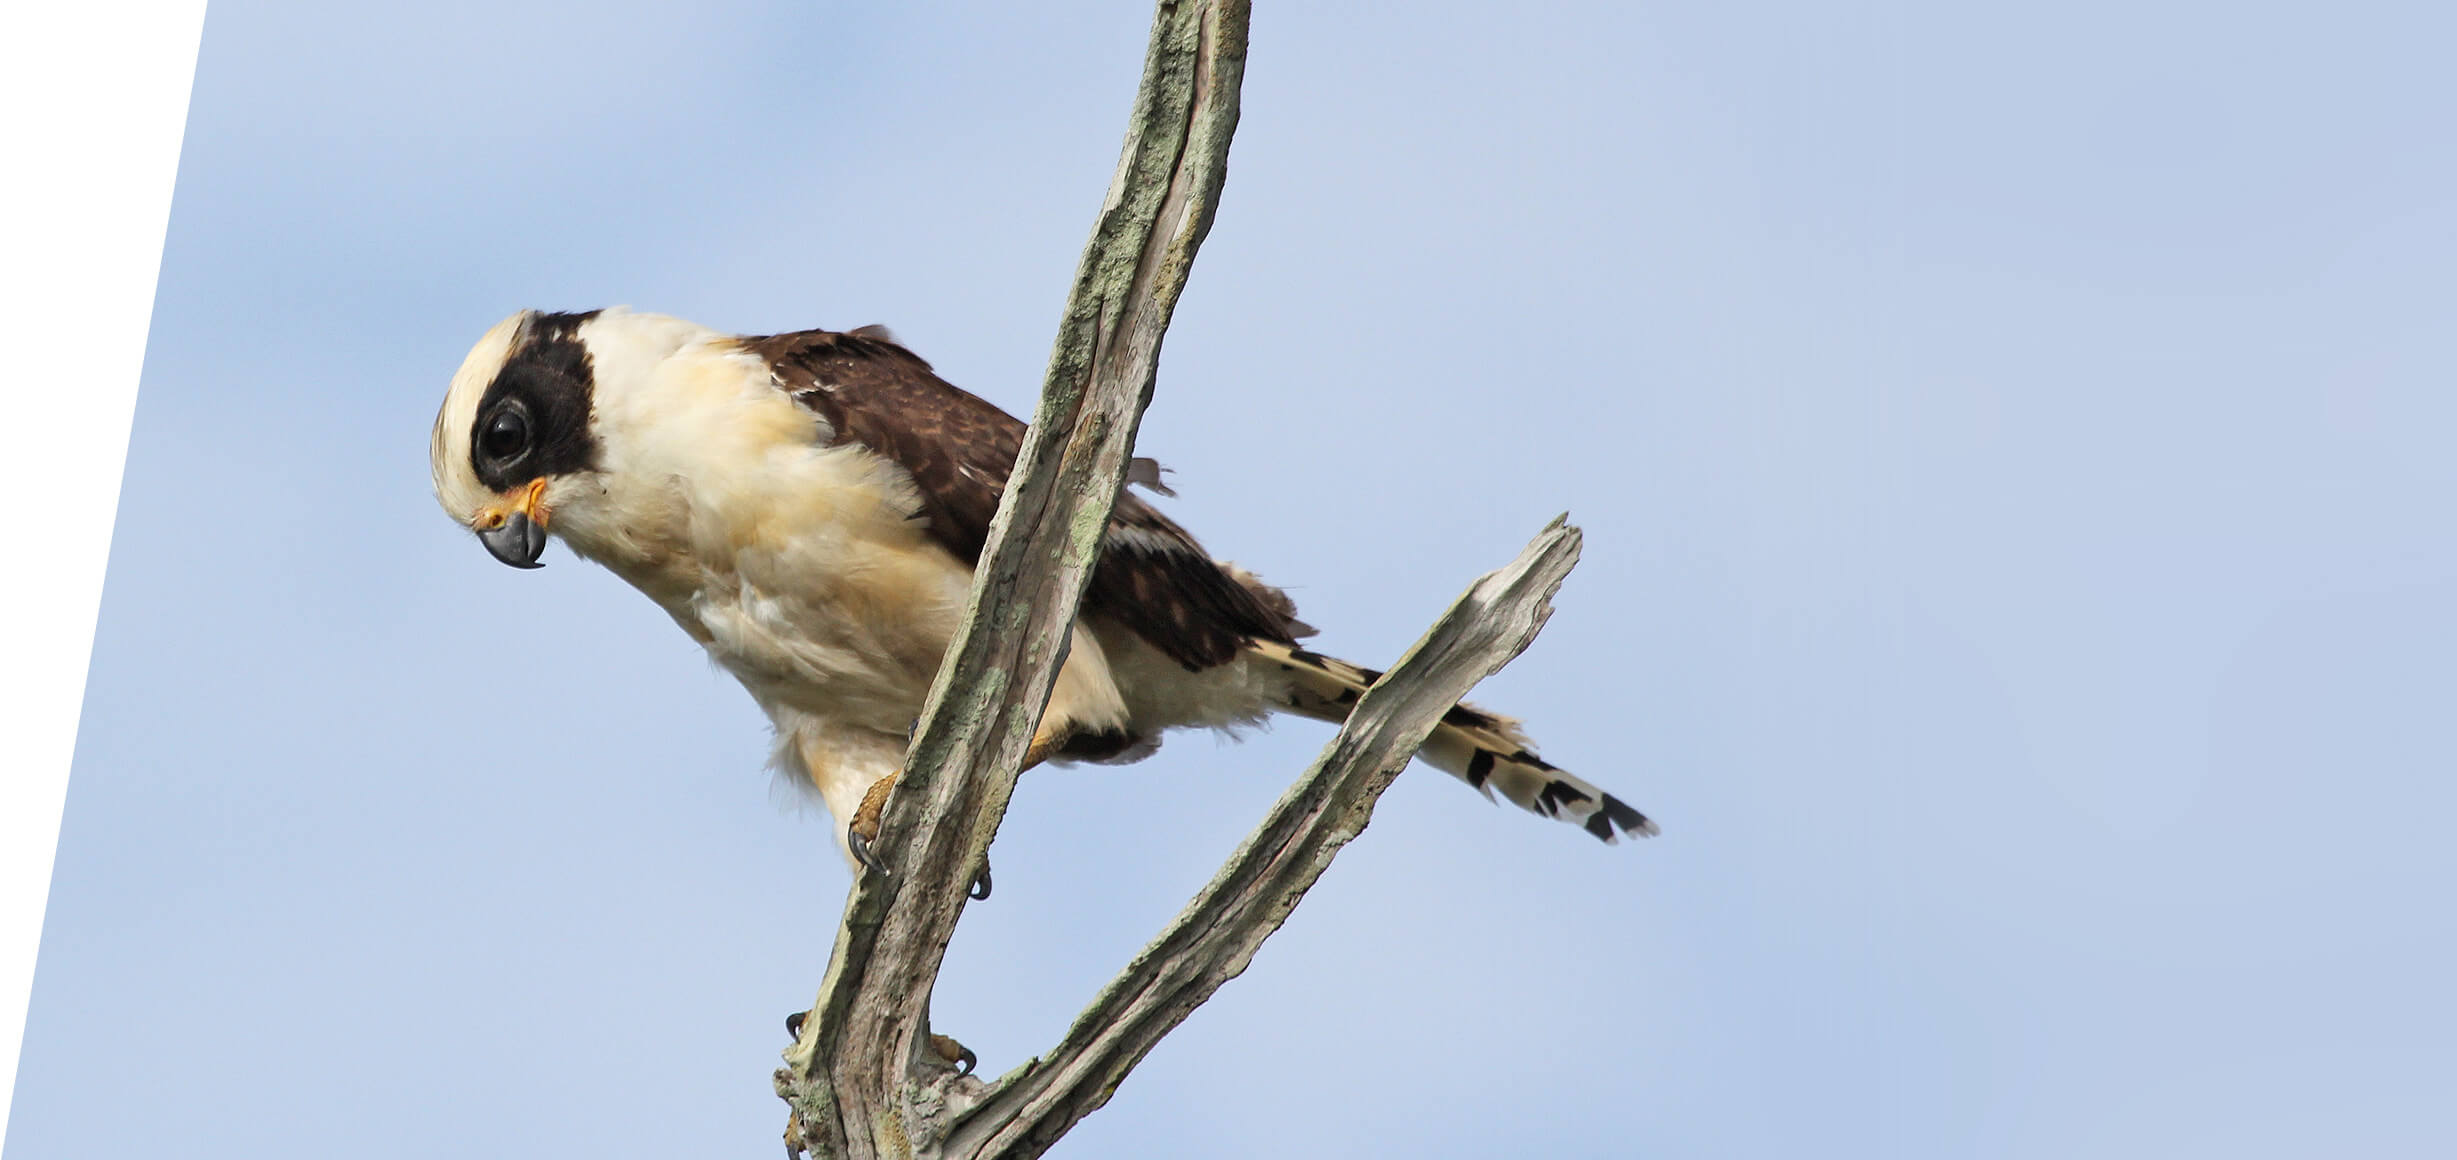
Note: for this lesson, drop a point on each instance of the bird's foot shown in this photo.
(956, 1054)
(945, 1047)
(863, 829)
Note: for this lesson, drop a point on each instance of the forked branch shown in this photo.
(847, 1076)
(1213, 939)
(861, 1080)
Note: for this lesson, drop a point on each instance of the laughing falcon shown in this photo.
(809, 507)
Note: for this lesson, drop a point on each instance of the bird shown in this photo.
(809, 507)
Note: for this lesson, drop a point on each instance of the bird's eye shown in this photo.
(507, 435)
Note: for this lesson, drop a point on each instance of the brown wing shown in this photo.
(1152, 578)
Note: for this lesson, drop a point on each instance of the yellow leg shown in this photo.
(956, 1054)
(866, 816)
(863, 828)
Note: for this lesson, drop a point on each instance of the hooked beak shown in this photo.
(516, 534)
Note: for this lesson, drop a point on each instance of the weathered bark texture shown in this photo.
(861, 1080)
(1213, 939)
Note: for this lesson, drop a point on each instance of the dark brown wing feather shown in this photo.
(1152, 578)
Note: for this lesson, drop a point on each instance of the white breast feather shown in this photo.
(799, 566)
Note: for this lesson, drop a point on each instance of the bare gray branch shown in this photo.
(1214, 938)
(847, 1077)
(861, 1079)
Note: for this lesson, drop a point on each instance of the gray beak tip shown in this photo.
(517, 541)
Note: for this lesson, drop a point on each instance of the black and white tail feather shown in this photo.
(1485, 750)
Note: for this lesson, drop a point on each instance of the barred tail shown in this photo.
(1484, 750)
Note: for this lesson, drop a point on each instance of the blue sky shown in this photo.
(2013, 447)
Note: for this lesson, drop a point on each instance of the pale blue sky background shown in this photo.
(2014, 447)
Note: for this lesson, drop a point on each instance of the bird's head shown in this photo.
(516, 436)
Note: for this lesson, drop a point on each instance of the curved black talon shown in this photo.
(862, 852)
(956, 1054)
(981, 884)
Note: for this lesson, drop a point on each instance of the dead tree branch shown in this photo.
(861, 1080)
(1213, 939)
(850, 1077)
